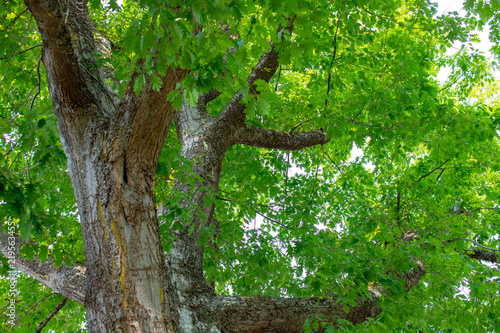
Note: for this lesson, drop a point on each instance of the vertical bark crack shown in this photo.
(125, 178)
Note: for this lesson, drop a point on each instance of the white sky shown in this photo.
(484, 45)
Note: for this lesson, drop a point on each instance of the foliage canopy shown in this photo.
(311, 222)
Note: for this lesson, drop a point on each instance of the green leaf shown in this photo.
(155, 82)
(43, 253)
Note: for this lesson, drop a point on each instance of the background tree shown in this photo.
(254, 217)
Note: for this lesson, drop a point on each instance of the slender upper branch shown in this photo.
(68, 281)
(264, 70)
(265, 138)
(51, 315)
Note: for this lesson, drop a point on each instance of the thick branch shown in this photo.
(265, 138)
(68, 46)
(284, 315)
(287, 315)
(209, 96)
(146, 117)
(484, 255)
(68, 281)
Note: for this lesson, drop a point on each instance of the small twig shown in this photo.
(430, 172)
(294, 128)
(14, 20)
(433, 226)
(38, 74)
(404, 218)
(11, 164)
(356, 116)
(36, 304)
(51, 315)
(398, 205)
(400, 24)
(233, 246)
(297, 126)
(244, 201)
(375, 126)
(333, 163)
(270, 219)
(333, 58)
(444, 88)
(440, 174)
(17, 51)
(28, 49)
(11, 121)
(28, 169)
(437, 179)
(474, 242)
(278, 80)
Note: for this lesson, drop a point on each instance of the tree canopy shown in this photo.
(358, 175)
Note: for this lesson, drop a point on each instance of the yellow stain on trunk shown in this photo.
(100, 217)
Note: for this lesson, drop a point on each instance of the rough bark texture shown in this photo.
(485, 255)
(113, 148)
(281, 315)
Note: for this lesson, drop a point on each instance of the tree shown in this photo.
(161, 234)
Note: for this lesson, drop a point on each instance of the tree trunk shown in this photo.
(125, 266)
(112, 154)
(205, 147)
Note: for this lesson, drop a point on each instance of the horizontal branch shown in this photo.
(484, 255)
(260, 137)
(376, 126)
(268, 314)
(474, 242)
(64, 280)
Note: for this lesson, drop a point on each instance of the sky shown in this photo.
(484, 45)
